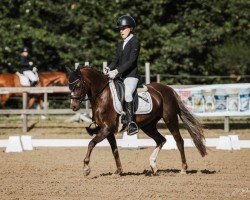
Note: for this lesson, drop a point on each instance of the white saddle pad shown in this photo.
(24, 81)
(145, 104)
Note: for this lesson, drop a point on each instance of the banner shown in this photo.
(217, 100)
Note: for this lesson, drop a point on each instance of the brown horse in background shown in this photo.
(9, 80)
(167, 105)
(46, 79)
(52, 78)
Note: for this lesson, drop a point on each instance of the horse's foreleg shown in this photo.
(41, 103)
(112, 142)
(102, 134)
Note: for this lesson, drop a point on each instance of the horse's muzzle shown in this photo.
(75, 108)
(75, 105)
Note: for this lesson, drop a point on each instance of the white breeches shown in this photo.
(130, 86)
(24, 80)
(32, 76)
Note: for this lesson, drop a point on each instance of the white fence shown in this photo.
(21, 143)
(181, 89)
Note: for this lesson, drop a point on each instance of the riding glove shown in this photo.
(106, 70)
(34, 69)
(112, 74)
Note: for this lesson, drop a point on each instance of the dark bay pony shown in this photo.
(46, 79)
(166, 105)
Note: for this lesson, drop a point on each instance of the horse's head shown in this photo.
(77, 88)
(85, 81)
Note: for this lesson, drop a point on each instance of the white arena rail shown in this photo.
(25, 142)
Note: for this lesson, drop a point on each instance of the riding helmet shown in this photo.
(25, 49)
(126, 20)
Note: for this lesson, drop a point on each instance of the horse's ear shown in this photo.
(68, 70)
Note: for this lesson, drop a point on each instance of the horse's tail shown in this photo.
(193, 126)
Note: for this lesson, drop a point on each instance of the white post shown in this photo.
(105, 64)
(158, 78)
(86, 63)
(226, 124)
(76, 65)
(46, 103)
(25, 116)
(147, 72)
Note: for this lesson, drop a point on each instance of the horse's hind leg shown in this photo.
(173, 127)
(152, 132)
(112, 142)
(31, 102)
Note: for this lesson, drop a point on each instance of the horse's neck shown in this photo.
(95, 80)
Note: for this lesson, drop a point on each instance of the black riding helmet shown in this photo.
(126, 20)
(25, 49)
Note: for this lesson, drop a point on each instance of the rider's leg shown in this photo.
(24, 80)
(32, 77)
(130, 86)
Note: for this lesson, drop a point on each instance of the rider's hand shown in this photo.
(106, 70)
(34, 69)
(112, 74)
(30, 63)
(18, 73)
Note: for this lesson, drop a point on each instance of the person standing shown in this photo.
(124, 65)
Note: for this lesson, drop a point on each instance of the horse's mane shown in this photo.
(100, 73)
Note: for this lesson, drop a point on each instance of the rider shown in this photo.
(124, 65)
(27, 68)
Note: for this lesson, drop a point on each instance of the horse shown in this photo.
(9, 80)
(46, 79)
(167, 105)
(53, 78)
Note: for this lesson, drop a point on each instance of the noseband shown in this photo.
(82, 89)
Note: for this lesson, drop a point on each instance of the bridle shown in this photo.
(83, 90)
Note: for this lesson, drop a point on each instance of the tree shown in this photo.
(177, 37)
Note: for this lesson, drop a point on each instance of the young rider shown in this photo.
(27, 68)
(124, 65)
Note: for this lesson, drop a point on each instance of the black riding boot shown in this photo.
(132, 126)
(33, 83)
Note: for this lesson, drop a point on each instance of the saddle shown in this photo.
(120, 89)
(142, 102)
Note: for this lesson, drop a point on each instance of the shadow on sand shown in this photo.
(160, 172)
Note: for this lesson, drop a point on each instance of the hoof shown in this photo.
(154, 171)
(86, 171)
(118, 172)
(183, 172)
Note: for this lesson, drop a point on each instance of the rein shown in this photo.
(83, 90)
